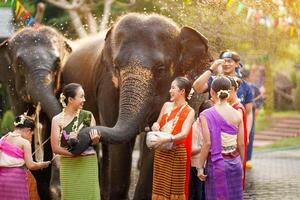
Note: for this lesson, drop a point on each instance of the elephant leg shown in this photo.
(116, 169)
(143, 189)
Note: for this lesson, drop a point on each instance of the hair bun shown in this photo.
(223, 94)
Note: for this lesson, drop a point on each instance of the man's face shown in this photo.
(229, 66)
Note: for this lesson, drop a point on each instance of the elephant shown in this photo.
(126, 74)
(31, 63)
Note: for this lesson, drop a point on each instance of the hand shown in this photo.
(45, 164)
(201, 174)
(95, 137)
(160, 142)
(155, 127)
(216, 64)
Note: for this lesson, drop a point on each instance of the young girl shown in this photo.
(223, 147)
(172, 167)
(15, 155)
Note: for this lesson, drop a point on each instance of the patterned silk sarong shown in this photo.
(224, 180)
(172, 167)
(13, 178)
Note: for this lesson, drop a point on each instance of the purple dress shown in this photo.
(13, 177)
(224, 171)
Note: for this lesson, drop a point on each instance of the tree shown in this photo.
(82, 17)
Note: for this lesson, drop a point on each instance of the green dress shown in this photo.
(79, 175)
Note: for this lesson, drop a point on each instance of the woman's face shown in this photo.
(229, 66)
(79, 99)
(175, 92)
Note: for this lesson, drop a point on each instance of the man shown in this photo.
(230, 63)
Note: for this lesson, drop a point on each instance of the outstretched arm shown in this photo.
(30, 164)
(200, 85)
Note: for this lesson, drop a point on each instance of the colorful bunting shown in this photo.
(251, 11)
(284, 21)
(22, 13)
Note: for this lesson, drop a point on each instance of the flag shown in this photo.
(240, 8)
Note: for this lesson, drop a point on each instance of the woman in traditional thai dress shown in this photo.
(223, 146)
(172, 167)
(15, 156)
(78, 174)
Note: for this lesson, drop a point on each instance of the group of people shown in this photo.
(206, 160)
(209, 155)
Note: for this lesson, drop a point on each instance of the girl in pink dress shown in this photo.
(15, 157)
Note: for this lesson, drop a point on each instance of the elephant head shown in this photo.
(144, 53)
(34, 58)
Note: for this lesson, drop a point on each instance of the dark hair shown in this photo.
(70, 91)
(235, 82)
(221, 83)
(23, 121)
(205, 105)
(183, 83)
(230, 54)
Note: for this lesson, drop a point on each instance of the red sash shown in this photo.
(239, 106)
(187, 142)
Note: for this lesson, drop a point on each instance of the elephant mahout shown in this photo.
(31, 64)
(126, 75)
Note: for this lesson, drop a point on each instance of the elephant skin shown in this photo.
(126, 75)
(31, 62)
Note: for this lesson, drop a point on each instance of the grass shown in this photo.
(284, 143)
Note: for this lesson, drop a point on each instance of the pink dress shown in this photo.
(13, 178)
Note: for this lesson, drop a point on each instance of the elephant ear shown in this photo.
(195, 56)
(5, 61)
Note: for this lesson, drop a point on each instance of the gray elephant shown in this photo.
(126, 75)
(31, 65)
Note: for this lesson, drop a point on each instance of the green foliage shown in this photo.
(7, 122)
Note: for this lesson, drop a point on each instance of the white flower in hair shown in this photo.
(22, 120)
(191, 94)
(223, 91)
(62, 98)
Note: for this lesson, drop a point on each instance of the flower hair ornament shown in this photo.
(62, 98)
(222, 91)
(22, 119)
(190, 94)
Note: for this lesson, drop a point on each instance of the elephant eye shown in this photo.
(160, 69)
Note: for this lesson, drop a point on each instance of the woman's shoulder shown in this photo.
(57, 117)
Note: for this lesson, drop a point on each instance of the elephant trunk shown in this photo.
(135, 102)
(41, 89)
